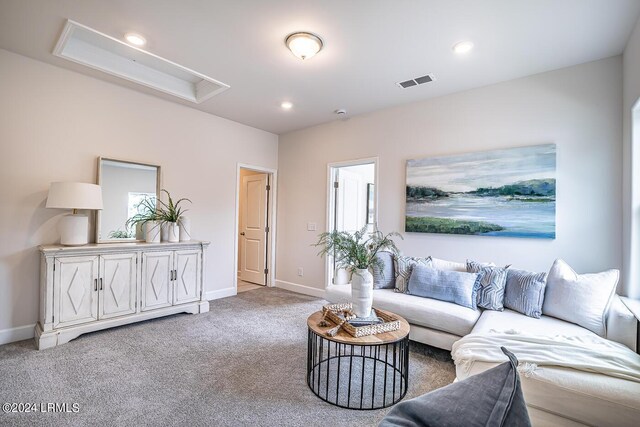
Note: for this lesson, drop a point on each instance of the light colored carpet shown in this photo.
(243, 363)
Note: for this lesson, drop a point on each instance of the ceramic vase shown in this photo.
(185, 228)
(140, 231)
(362, 292)
(341, 276)
(173, 230)
(164, 232)
(152, 232)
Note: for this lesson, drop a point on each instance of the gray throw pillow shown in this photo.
(404, 266)
(491, 285)
(491, 398)
(452, 286)
(384, 276)
(524, 292)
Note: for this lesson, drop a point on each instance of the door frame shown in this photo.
(271, 238)
(328, 263)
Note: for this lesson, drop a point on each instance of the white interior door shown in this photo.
(352, 201)
(253, 222)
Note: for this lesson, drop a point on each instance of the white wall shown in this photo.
(578, 108)
(631, 166)
(54, 123)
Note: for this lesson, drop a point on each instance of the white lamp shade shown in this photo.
(74, 195)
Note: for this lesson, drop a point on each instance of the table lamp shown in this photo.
(74, 195)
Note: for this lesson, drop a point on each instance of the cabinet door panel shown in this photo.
(117, 285)
(187, 283)
(156, 280)
(75, 296)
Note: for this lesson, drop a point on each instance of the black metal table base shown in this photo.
(368, 376)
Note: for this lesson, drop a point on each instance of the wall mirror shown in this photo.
(124, 186)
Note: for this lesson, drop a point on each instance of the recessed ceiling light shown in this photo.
(303, 45)
(286, 105)
(462, 47)
(135, 39)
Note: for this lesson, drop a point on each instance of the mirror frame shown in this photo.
(99, 182)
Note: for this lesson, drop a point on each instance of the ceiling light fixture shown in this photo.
(135, 39)
(462, 47)
(286, 105)
(303, 45)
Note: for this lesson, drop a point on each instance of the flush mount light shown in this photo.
(135, 39)
(462, 47)
(303, 45)
(286, 105)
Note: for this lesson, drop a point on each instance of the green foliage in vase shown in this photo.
(356, 250)
(146, 212)
(171, 211)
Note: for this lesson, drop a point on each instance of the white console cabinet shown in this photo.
(99, 286)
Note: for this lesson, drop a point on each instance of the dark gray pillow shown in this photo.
(492, 283)
(492, 398)
(384, 277)
(524, 292)
(452, 286)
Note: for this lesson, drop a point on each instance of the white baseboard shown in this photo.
(220, 293)
(301, 289)
(16, 334)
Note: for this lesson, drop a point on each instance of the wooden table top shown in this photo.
(344, 337)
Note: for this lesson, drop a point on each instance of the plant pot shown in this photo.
(185, 228)
(140, 231)
(152, 232)
(362, 292)
(341, 276)
(164, 232)
(173, 232)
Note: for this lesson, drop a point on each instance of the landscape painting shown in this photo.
(509, 192)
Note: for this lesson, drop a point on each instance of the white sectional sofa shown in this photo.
(555, 396)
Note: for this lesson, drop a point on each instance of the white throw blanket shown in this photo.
(585, 353)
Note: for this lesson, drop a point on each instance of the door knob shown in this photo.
(242, 234)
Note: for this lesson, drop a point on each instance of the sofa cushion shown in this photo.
(586, 397)
(452, 286)
(589, 398)
(404, 265)
(384, 275)
(441, 264)
(583, 299)
(509, 320)
(524, 292)
(426, 312)
(492, 282)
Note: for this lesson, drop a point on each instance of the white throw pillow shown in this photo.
(582, 299)
(441, 264)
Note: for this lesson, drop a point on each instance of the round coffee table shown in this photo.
(370, 372)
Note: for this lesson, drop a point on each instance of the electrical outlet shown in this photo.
(311, 226)
(300, 272)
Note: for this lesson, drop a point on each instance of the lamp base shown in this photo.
(73, 230)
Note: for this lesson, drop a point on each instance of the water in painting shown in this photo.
(509, 192)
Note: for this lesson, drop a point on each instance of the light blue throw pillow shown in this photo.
(451, 286)
(491, 285)
(524, 292)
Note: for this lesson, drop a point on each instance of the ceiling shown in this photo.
(369, 45)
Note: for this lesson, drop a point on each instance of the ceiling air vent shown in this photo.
(417, 81)
(86, 46)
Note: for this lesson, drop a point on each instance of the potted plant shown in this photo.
(357, 253)
(170, 213)
(148, 218)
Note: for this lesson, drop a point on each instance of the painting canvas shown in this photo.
(509, 192)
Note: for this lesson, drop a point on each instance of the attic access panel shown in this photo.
(86, 46)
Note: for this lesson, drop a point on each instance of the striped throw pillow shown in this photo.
(524, 292)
